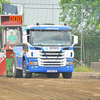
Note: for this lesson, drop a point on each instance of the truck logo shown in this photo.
(46, 48)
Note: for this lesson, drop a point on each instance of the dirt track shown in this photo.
(82, 86)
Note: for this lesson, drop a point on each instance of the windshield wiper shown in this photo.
(39, 44)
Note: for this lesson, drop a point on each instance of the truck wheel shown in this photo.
(53, 75)
(67, 74)
(16, 72)
(25, 73)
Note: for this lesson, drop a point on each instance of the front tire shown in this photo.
(16, 72)
(25, 73)
(67, 74)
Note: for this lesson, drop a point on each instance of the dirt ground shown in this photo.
(82, 86)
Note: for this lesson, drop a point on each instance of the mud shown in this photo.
(82, 86)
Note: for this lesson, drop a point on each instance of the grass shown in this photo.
(83, 69)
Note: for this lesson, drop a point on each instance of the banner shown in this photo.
(8, 9)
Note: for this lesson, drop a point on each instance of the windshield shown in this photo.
(13, 36)
(50, 38)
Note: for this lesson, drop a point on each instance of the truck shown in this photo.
(46, 49)
(11, 25)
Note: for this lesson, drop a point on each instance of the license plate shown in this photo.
(51, 70)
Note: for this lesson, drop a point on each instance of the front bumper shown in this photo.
(36, 68)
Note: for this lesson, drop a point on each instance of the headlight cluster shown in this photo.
(69, 63)
(33, 63)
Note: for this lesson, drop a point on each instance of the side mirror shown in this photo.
(26, 37)
(75, 39)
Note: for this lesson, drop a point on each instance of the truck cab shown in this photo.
(11, 36)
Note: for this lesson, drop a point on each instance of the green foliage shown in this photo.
(82, 69)
(71, 14)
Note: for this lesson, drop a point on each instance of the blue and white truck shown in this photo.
(46, 49)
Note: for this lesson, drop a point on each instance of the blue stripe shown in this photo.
(32, 48)
(50, 27)
(62, 48)
(33, 59)
(71, 48)
(24, 28)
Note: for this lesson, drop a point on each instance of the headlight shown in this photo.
(69, 63)
(33, 63)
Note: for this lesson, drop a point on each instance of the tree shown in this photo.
(91, 24)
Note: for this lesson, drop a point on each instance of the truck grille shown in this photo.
(52, 58)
